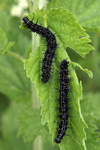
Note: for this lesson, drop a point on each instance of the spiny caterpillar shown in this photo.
(63, 101)
(51, 47)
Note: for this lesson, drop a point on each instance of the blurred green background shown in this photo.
(15, 87)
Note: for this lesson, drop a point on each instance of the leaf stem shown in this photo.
(17, 56)
(30, 5)
(38, 143)
(35, 99)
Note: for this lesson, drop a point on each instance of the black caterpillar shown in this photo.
(51, 47)
(63, 101)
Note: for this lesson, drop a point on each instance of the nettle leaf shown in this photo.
(68, 33)
(90, 105)
(87, 12)
(90, 74)
(30, 124)
(4, 44)
(13, 80)
(9, 128)
(91, 112)
(67, 28)
(48, 96)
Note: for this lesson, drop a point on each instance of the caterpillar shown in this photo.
(63, 101)
(51, 47)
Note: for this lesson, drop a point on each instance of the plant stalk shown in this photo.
(37, 145)
(17, 56)
(30, 5)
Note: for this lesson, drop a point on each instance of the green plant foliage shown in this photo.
(13, 81)
(86, 11)
(67, 29)
(90, 105)
(7, 4)
(15, 86)
(9, 127)
(30, 124)
(90, 74)
(91, 112)
(4, 103)
(4, 44)
(48, 145)
(69, 33)
(96, 69)
(9, 139)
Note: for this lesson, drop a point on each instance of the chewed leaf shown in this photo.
(4, 44)
(90, 74)
(68, 33)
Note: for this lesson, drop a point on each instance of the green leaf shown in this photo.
(91, 112)
(9, 129)
(13, 80)
(30, 124)
(4, 44)
(68, 32)
(87, 12)
(90, 105)
(90, 74)
(48, 96)
(4, 103)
